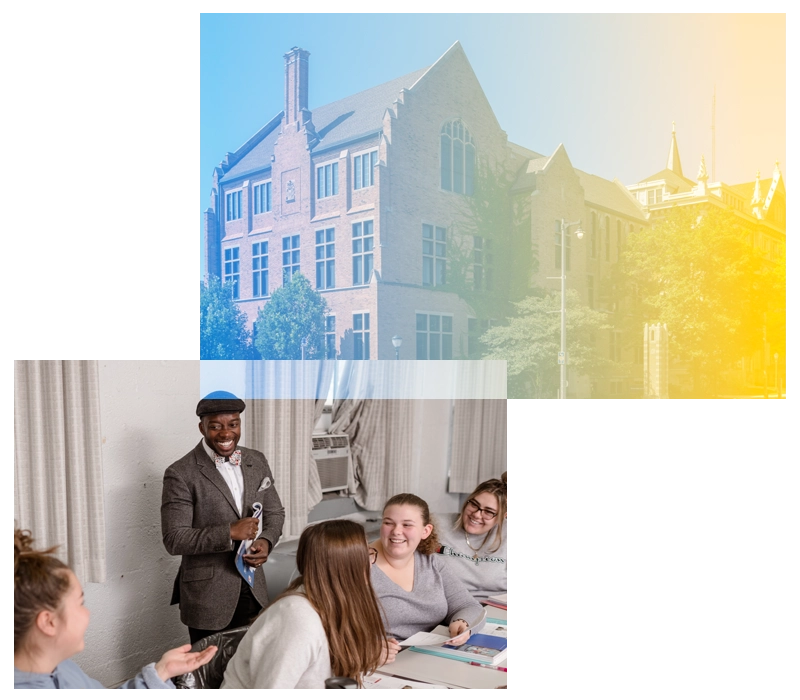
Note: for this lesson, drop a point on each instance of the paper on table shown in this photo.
(424, 638)
(378, 680)
(430, 638)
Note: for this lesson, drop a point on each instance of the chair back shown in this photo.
(211, 675)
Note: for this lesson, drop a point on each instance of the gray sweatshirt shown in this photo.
(483, 572)
(438, 597)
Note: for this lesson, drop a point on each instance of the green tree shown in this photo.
(531, 341)
(294, 314)
(223, 334)
(695, 270)
(490, 261)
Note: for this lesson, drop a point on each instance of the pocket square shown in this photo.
(265, 484)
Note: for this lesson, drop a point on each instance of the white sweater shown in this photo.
(286, 647)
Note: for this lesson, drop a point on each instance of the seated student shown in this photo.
(50, 621)
(415, 588)
(327, 623)
(475, 544)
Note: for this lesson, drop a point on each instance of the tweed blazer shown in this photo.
(197, 510)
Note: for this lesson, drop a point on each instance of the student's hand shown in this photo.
(390, 650)
(244, 529)
(458, 632)
(178, 661)
(258, 553)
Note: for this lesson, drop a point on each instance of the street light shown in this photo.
(562, 356)
(397, 341)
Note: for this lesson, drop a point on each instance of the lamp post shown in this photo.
(562, 356)
(397, 341)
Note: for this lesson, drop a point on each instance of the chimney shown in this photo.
(296, 87)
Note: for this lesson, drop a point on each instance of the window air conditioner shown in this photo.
(332, 455)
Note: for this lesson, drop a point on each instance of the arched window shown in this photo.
(457, 156)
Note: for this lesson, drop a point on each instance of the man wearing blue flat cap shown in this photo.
(207, 511)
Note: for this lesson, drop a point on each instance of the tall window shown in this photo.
(361, 336)
(558, 246)
(457, 155)
(362, 252)
(232, 269)
(481, 263)
(291, 257)
(619, 238)
(330, 337)
(262, 197)
(434, 337)
(593, 237)
(327, 180)
(434, 255)
(590, 291)
(364, 170)
(261, 269)
(615, 346)
(655, 196)
(233, 205)
(326, 264)
(608, 239)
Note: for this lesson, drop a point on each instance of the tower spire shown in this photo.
(674, 159)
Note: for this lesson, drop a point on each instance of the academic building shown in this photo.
(371, 199)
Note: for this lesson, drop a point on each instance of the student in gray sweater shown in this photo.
(417, 591)
(475, 545)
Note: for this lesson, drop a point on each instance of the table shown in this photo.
(449, 672)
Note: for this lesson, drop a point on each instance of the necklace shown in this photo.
(469, 544)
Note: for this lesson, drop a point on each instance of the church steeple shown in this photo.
(674, 159)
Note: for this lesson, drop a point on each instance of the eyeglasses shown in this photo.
(373, 555)
(476, 508)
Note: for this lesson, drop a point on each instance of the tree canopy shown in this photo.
(531, 341)
(295, 313)
(223, 333)
(695, 270)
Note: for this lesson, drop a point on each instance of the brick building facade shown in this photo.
(366, 197)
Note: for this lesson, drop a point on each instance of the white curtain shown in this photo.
(285, 400)
(58, 471)
(479, 442)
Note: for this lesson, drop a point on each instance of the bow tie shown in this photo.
(235, 459)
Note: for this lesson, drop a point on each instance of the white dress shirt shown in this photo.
(232, 475)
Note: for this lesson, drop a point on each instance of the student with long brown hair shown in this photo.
(474, 546)
(416, 589)
(50, 621)
(327, 622)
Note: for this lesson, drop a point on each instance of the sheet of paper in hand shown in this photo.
(249, 572)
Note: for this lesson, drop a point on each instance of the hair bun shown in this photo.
(503, 478)
(22, 545)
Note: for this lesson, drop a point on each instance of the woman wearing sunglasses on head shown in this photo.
(475, 545)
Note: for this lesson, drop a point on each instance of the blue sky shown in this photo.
(607, 86)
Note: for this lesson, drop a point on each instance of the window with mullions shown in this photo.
(364, 170)
(262, 198)
(291, 257)
(593, 237)
(232, 269)
(434, 255)
(608, 239)
(567, 253)
(482, 261)
(233, 205)
(361, 336)
(261, 269)
(619, 238)
(362, 252)
(327, 180)
(330, 337)
(434, 337)
(457, 158)
(326, 264)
